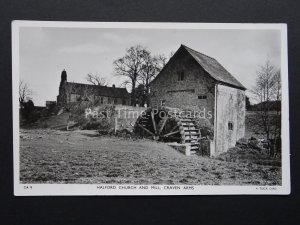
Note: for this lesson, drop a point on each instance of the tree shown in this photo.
(151, 67)
(96, 79)
(266, 91)
(141, 96)
(24, 93)
(140, 68)
(131, 66)
(277, 90)
(162, 60)
(277, 93)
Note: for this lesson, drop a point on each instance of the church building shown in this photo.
(72, 93)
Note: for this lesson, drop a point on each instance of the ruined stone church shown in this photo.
(194, 81)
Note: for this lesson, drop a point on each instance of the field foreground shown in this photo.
(52, 156)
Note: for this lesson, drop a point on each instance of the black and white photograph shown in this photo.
(150, 108)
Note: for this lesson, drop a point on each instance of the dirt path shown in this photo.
(50, 156)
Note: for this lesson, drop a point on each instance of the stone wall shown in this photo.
(111, 100)
(230, 108)
(186, 94)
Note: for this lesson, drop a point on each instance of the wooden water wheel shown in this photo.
(166, 125)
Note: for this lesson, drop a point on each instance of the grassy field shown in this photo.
(52, 156)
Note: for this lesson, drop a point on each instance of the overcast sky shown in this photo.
(45, 52)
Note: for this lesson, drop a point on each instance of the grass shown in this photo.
(249, 155)
(50, 156)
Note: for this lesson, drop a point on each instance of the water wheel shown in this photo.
(166, 125)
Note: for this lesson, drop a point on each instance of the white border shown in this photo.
(93, 189)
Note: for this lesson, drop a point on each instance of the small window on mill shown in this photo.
(230, 126)
(202, 97)
(180, 76)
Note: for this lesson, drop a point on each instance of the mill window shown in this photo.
(180, 76)
(202, 97)
(230, 126)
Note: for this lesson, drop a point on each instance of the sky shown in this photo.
(45, 51)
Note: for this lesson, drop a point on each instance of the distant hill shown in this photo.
(273, 105)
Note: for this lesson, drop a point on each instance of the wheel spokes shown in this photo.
(153, 122)
(145, 129)
(174, 128)
(171, 133)
(162, 126)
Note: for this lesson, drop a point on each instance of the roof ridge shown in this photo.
(215, 69)
(94, 85)
(197, 52)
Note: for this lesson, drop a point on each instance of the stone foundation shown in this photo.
(183, 148)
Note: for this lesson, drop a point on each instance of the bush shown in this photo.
(103, 122)
(205, 126)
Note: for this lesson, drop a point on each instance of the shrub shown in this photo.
(103, 122)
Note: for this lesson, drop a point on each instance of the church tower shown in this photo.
(63, 76)
(61, 98)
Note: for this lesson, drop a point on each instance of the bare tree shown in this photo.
(131, 66)
(96, 79)
(140, 68)
(162, 60)
(266, 90)
(151, 67)
(277, 88)
(277, 94)
(24, 93)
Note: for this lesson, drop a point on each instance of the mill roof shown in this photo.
(213, 68)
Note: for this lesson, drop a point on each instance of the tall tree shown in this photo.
(131, 66)
(264, 92)
(277, 94)
(140, 68)
(151, 67)
(141, 95)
